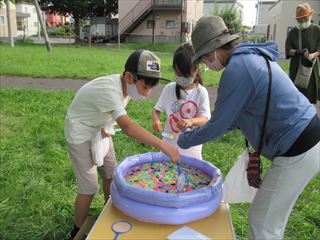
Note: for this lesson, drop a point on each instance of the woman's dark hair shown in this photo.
(182, 60)
(230, 45)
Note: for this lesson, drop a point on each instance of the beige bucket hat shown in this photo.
(209, 34)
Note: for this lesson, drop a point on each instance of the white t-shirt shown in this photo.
(193, 103)
(96, 105)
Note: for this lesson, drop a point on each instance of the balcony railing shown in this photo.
(167, 2)
(142, 7)
(134, 14)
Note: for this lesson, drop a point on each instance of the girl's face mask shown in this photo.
(305, 24)
(215, 65)
(184, 81)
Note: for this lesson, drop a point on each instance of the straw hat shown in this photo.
(209, 34)
(303, 10)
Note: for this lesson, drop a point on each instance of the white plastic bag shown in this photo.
(99, 148)
(235, 187)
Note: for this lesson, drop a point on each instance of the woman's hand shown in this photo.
(312, 56)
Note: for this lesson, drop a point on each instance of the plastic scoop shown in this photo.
(120, 227)
(181, 179)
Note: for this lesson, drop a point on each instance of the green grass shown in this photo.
(82, 62)
(77, 62)
(37, 183)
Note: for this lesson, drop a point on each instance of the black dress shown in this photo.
(310, 40)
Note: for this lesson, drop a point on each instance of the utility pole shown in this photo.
(9, 24)
(43, 26)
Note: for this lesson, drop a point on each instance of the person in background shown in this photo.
(96, 107)
(185, 101)
(307, 53)
(292, 133)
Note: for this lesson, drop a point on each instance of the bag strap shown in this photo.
(300, 44)
(266, 110)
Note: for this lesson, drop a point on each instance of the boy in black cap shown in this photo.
(95, 108)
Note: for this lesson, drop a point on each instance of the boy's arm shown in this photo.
(138, 133)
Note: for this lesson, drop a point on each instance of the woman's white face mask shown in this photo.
(215, 65)
(133, 92)
(304, 25)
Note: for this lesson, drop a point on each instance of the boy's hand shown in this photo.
(184, 123)
(171, 151)
(157, 126)
(104, 133)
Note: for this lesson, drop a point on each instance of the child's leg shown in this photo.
(82, 206)
(87, 179)
(110, 163)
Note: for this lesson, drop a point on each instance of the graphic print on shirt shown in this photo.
(174, 120)
(175, 107)
(189, 109)
(182, 110)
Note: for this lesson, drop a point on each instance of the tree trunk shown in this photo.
(77, 29)
(43, 26)
(9, 23)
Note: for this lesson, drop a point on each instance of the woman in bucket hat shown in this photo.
(308, 52)
(292, 133)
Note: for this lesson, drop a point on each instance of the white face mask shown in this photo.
(133, 92)
(215, 65)
(304, 25)
(184, 81)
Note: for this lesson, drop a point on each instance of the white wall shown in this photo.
(32, 23)
(262, 17)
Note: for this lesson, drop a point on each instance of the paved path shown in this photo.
(72, 84)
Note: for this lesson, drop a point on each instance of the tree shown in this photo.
(80, 9)
(231, 17)
(9, 23)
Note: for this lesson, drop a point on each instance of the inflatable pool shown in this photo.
(166, 207)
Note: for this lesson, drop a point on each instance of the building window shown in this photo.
(170, 24)
(35, 24)
(20, 25)
(26, 10)
(149, 23)
(34, 10)
(1, 20)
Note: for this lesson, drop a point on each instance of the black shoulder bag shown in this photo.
(254, 168)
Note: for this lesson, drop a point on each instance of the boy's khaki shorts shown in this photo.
(85, 169)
